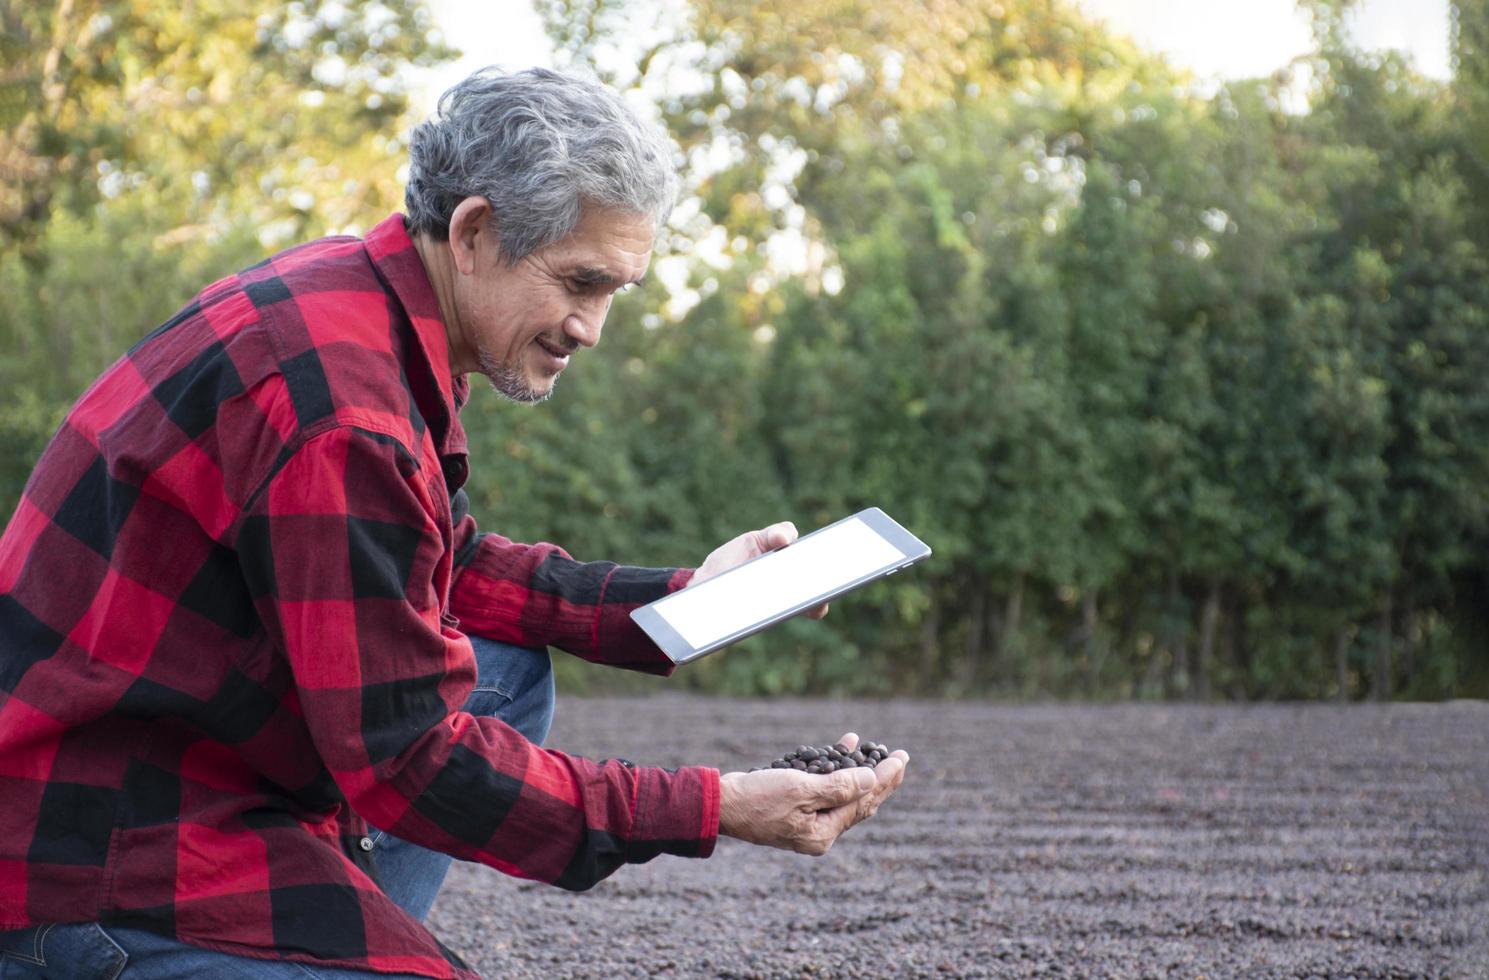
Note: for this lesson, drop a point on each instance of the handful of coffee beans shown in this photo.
(809, 758)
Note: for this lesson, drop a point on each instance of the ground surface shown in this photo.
(1273, 841)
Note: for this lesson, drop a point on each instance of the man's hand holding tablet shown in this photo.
(746, 547)
(763, 577)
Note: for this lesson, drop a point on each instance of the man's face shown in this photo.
(518, 324)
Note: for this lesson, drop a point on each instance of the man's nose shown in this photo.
(584, 325)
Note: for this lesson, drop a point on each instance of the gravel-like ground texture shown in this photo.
(1138, 840)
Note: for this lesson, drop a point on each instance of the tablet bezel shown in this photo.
(680, 651)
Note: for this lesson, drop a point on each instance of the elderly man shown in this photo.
(245, 617)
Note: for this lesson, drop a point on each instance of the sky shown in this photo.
(1247, 38)
(1217, 39)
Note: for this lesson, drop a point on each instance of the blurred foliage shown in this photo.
(1184, 388)
(151, 148)
(1179, 387)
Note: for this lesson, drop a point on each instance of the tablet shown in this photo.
(764, 591)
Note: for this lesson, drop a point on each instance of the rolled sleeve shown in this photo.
(537, 595)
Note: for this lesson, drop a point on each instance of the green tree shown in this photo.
(1138, 364)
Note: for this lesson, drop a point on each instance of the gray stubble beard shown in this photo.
(508, 381)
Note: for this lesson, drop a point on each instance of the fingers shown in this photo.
(842, 787)
(887, 778)
(888, 775)
(849, 741)
(817, 612)
(741, 549)
(837, 820)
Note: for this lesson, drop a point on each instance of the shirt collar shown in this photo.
(395, 257)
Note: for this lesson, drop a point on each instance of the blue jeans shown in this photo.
(513, 683)
(89, 951)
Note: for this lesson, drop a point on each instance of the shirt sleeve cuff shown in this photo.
(676, 813)
(617, 640)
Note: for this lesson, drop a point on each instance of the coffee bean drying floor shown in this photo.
(1067, 841)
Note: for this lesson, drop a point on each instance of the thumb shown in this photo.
(845, 786)
(777, 535)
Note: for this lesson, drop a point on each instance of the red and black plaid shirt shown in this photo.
(228, 636)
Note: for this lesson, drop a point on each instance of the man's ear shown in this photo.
(469, 224)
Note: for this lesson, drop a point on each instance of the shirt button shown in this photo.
(365, 843)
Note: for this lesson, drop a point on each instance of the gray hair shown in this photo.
(540, 146)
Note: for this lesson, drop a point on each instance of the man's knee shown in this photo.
(514, 684)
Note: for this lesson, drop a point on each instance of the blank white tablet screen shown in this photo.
(814, 566)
